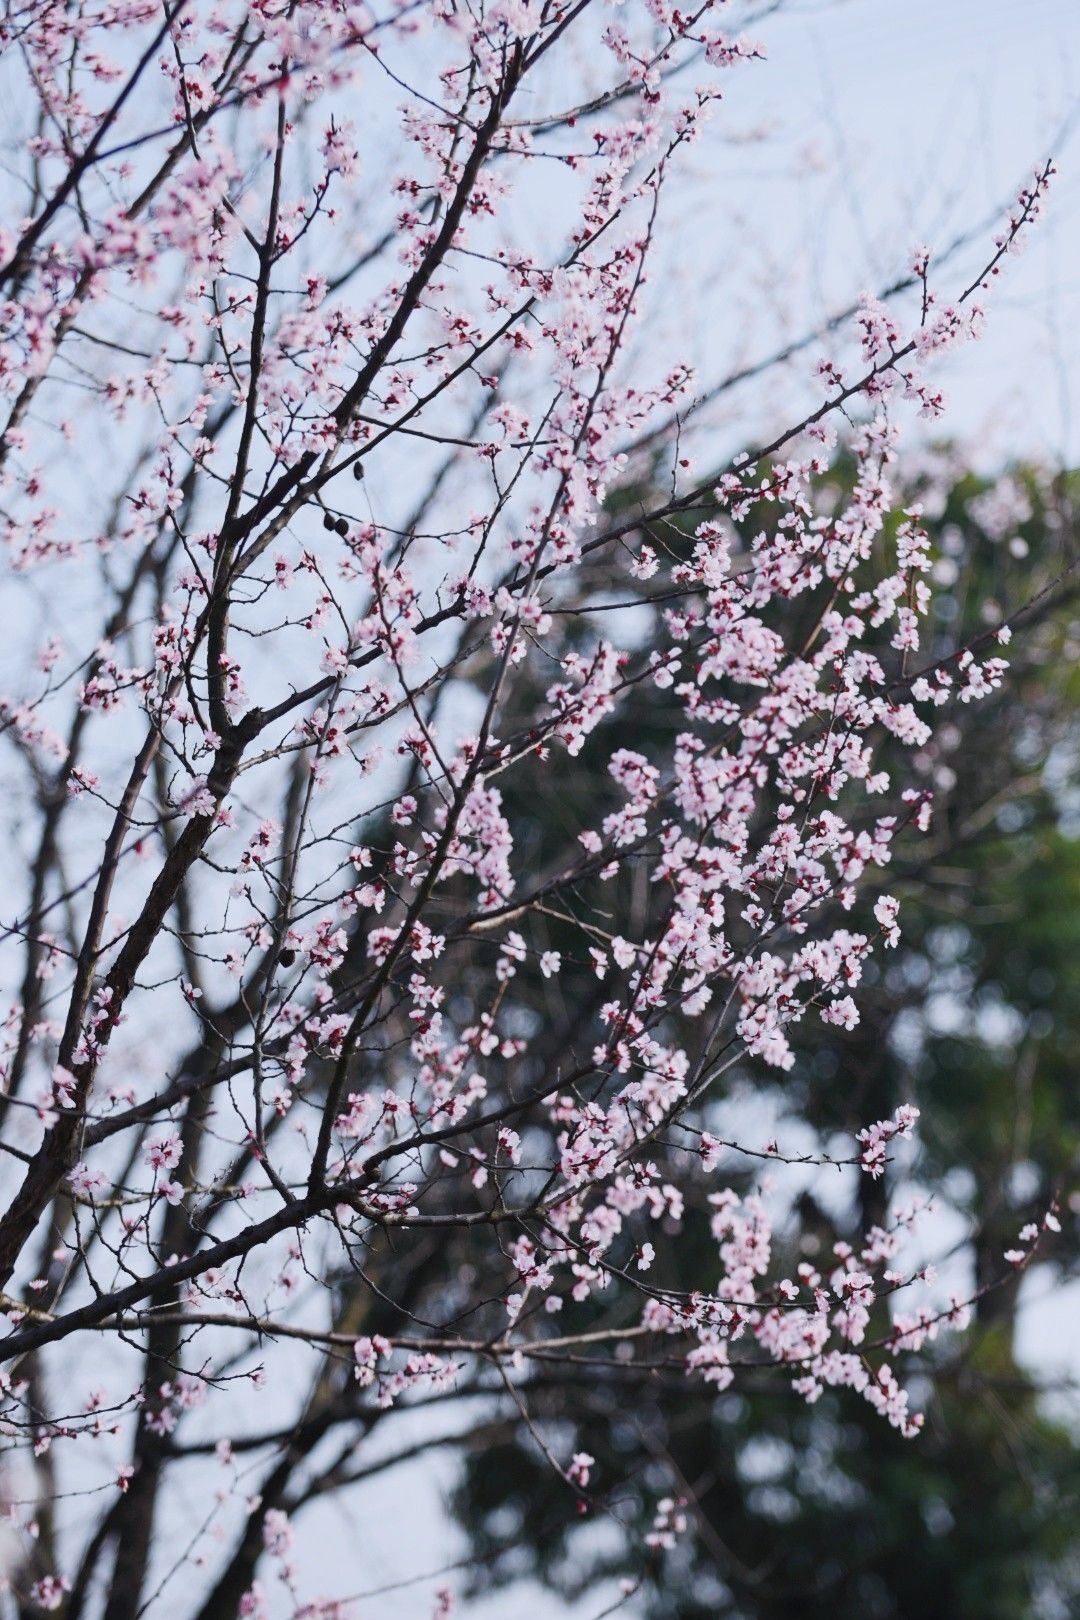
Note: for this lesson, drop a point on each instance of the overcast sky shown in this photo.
(873, 127)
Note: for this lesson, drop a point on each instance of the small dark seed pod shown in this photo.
(287, 957)
(358, 470)
(327, 522)
(341, 526)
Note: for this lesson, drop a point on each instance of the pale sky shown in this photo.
(888, 125)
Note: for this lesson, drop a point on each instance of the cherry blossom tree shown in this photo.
(322, 379)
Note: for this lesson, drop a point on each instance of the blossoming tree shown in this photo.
(318, 376)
